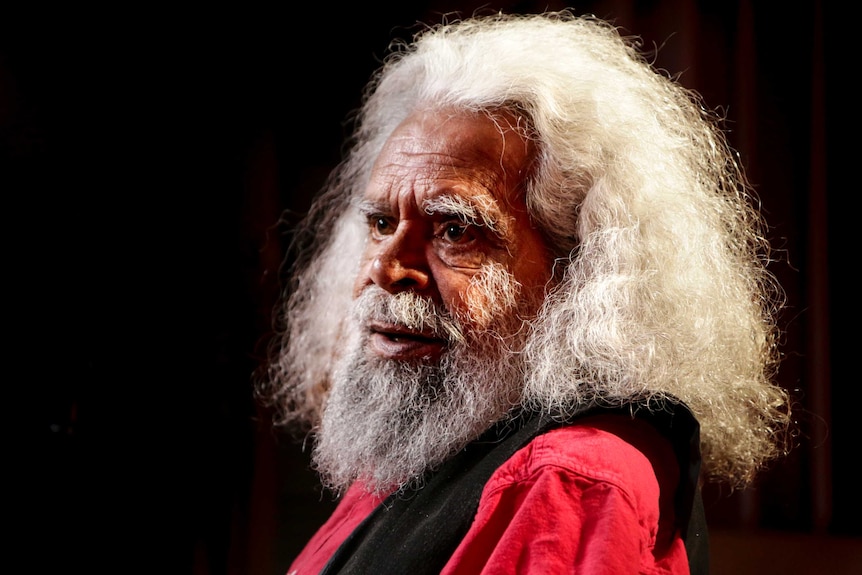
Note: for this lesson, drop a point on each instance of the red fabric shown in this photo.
(351, 510)
(592, 498)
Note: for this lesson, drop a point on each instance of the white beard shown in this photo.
(388, 422)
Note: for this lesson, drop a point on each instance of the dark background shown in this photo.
(146, 157)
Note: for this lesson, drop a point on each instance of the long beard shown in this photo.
(386, 423)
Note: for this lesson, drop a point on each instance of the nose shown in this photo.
(400, 264)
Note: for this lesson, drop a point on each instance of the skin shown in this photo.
(444, 200)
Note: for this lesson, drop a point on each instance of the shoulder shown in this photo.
(611, 451)
(593, 496)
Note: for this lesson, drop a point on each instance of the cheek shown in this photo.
(363, 274)
(534, 267)
(485, 296)
(480, 306)
(452, 288)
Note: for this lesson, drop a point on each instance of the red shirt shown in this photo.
(595, 497)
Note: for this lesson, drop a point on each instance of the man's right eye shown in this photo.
(381, 225)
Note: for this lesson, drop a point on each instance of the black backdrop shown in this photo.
(147, 156)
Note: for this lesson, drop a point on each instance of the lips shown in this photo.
(399, 342)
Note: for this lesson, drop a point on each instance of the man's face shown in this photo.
(444, 204)
(451, 275)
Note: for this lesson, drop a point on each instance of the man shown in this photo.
(530, 313)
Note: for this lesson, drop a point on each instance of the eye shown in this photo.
(381, 225)
(455, 232)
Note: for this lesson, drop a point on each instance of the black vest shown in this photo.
(417, 532)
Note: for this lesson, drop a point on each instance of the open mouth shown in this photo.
(399, 343)
(400, 337)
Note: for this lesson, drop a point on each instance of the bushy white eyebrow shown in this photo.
(480, 209)
(369, 209)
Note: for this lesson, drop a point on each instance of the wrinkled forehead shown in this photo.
(490, 149)
(499, 134)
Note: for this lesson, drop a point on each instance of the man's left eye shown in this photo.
(455, 233)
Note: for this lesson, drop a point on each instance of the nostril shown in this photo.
(394, 275)
(405, 282)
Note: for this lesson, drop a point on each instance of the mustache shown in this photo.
(409, 310)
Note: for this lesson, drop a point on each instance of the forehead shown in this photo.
(434, 153)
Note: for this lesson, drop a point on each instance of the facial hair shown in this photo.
(388, 422)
